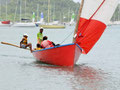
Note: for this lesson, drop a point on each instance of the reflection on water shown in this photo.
(80, 77)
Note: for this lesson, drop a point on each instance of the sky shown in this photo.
(77, 0)
(80, 0)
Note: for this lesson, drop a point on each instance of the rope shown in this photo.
(66, 38)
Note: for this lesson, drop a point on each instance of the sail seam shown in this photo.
(97, 10)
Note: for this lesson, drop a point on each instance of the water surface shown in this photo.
(98, 70)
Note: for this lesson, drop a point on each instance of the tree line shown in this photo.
(60, 10)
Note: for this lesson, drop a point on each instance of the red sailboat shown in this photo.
(6, 22)
(94, 16)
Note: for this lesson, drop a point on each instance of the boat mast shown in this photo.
(0, 11)
(20, 11)
(25, 9)
(54, 12)
(16, 10)
(69, 14)
(6, 9)
(118, 12)
(48, 11)
(78, 18)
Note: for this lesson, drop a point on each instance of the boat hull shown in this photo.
(5, 22)
(53, 26)
(24, 25)
(66, 55)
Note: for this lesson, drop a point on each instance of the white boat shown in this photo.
(25, 23)
(49, 24)
(41, 22)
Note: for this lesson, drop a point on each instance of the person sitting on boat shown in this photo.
(46, 43)
(38, 47)
(24, 44)
(40, 36)
(55, 44)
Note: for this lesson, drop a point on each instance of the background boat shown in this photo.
(50, 25)
(53, 26)
(6, 22)
(24, 22)
(21, 24)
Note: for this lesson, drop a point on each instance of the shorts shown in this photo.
(23, 46)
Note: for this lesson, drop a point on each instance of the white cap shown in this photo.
(41, 27)
(25, 34)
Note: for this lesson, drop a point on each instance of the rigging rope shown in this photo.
(66, 38)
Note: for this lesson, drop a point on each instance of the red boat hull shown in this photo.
(5, 22)
(65, 55)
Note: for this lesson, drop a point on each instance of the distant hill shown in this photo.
(59, 9)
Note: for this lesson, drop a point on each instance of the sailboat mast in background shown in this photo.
(48, 11)
(6, 9)
(20, 9)
(25, 9)
(37, 12)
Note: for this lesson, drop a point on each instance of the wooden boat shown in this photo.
(54, 56)
(89, 29)
(53, 26)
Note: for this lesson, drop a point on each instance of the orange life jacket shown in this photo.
(46, 44)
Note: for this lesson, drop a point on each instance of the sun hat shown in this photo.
(41, 27)
(25, 34)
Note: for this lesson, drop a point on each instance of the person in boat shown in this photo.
(24, 44)
(46, 43)
(38, 47)
(40, 36)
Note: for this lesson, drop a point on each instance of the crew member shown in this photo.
(38, 47)
(40, 36)
(24, 44)
(46, 43)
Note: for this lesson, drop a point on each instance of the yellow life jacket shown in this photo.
(38, 48)
(24, 41)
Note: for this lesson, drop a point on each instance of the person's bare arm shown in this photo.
(21, 42)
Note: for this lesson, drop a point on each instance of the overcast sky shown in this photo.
(77, 0)
(80, 0)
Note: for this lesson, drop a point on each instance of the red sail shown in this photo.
(94, 17)
(89, 32)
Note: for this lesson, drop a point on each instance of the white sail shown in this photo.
(105, 12)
